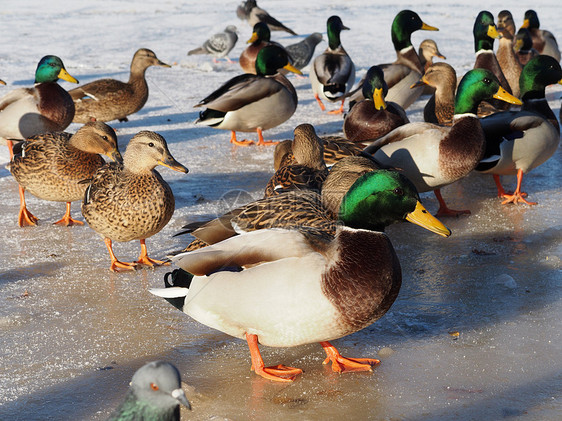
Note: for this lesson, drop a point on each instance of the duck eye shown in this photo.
(151, 144)
(398, 191)
(104, 137)
(487, 81)
(154, 386)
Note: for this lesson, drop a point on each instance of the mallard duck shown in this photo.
(253, 102)
(506, 25)
(111, 99)
(373, 117)
(517, 142)
(434, 156)
(218, 45)
(506, 55)
(543, 41)
(333, 73)
(440, 108)
(261, 36)
(154, 393)
(427, 50)
(131, 201)
(250, 11)
(524, 46)
(301, 53)
(407, 69)
(46, 107)
(304, 285)
(52, 165)
(308, 171)
(485, 32)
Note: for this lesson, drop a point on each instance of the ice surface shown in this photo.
(72, 333)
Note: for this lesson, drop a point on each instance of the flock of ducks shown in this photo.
(309, 262)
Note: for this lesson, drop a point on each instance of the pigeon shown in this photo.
(301, 52)
(218, 45)
(154, 394)
(250, 11)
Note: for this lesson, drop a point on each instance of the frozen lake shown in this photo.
(72, 333)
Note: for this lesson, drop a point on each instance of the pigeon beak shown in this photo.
(179, 395)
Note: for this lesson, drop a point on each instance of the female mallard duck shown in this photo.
(407, 69)
(52, 165)
(485, 32)
(46, 107)
(304, 285)
(333, 73)
(543, 41)
(524, 46)
(131, 201)
(218, 45)
(253, 102)
(308, 171)
(427, 50)
(261, 36)
(506, 25)
(517, 142)
(111, 99)
(434, 156)
(506, 55)
(440, 108)
(373, 117)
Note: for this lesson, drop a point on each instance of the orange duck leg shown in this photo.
(278, 373)
(518, 196)
(67, 220)
(25, 218)
(145, 260)
(341, 364)
(116, 264)
(444, 209)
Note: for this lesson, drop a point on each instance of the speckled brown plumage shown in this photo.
(111, 99)
(440, 108)
(509, 64)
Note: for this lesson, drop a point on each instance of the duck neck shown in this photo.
(334, 38)
(401, 38)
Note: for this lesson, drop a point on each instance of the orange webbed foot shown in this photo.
(118, 266)
(444, 209)
(26, 218)
(341, 364)
(278, 373)
(516, 197)
(67, 220)
(147, 261)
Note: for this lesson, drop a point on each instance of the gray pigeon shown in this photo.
(301, 53)
(154, 394)
(218, 45)
(250, 11)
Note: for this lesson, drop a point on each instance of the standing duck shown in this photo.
(52, 165)
(111, 99)
(517, 142)
(543, 41)
(46, 107)
(131, 201)
(333, 73)
(373, 117)
(249, 102)
(288, 287)
(218, 45)
(434, 156)
(261, 36)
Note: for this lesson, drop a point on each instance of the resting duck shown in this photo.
(111, 99)
(131, 201)
(485, 32)
(46, 107)
(440, 108)
(253, 102)
(434, 156)
(261, 36)
(333, 73)
(517, 142)
(407, 69)
(543, 41)
(301, 53)
(218, 45)
(51, 166)
(296, 286)
(524, 46)
(373, 117)
(307, 170)
(250, 11)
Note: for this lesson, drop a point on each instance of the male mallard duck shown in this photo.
(524, 46)
(373, 117)
(155, 393)
(301, 53)
(253, 102)
(543, 41)
(46, 107)
(333, 73)
(407, 69)
(308, 171)
(440, 108)
(218, 45)
(304, 285)
(52, 165)
(261, 36)
(517, 142)
(111, 99)
(130, 200)
(434, 156)
(485, 32)
(250, 11)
